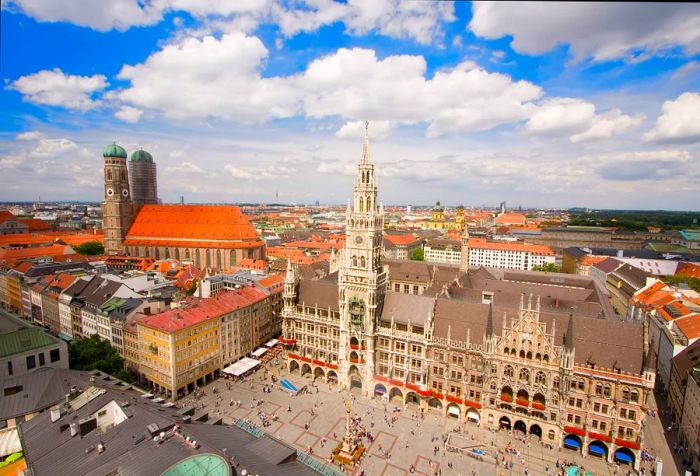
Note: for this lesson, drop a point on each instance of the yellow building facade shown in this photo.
(179, 349)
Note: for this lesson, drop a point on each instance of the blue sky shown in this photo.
(538, 104)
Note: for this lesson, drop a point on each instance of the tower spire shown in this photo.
(489, 321)
(569, 339)
(365, 145)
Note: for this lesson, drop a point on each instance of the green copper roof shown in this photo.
(200, 465)
(114, 150)
(141, 156)
(24, 340)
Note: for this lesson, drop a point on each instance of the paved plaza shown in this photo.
(315, 422)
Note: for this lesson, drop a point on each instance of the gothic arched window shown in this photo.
(362, 205)
(524, 375)
(541, 378)
(109, 174)
(507, 371)
(363, 262)
(354, 261)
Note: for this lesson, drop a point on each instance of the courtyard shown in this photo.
(404, 441)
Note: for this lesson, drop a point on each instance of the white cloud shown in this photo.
(220, 78)
(99, 15)
(680, 121)
(606, 125)
(52, 147)
(54, 88)
(420, 21)
(208, 77)
(355, 130)
(29, 135)
(129, 114)
(602, 30)
(560, 116)
(578, 119)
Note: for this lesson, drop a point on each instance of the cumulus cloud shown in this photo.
(54, 88)
(355, 130)
(680, 121)
(129, 114)
(351, 83)
(604, 126)
(420, 21)
(103, 15)
(208, 77)
(603, 31)
(578, 119)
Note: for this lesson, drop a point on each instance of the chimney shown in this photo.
(55, 414)
(73, 429)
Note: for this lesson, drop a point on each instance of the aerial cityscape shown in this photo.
(349, 238)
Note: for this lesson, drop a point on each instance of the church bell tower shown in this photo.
(117, 207)
(361, 278)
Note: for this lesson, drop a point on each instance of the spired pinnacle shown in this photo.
(365, 145)
(569, 339)
(489, 321)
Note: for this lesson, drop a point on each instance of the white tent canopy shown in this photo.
(271, 343)
(242, 366)
(260, 351)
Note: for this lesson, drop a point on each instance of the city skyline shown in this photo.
(467, 105)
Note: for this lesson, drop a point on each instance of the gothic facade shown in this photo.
(496, 348)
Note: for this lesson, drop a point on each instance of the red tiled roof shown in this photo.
(198, 310)
(506, 246)
(272, 281)
(34, 224)
(511, 219)
(691, 270)
(200, 226)
(403, 239)
(34, 252)
(689, 325)
(5, 216)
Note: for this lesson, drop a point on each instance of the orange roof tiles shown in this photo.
(511, 219)
(691, 270)
(689, 325)
(5, 216)
(35, 252)
(34, 224)
(589, 260)
(272, 281)
(403, 239)
(24, 239)
(200, 226)
(251, 263)
(507, 246)
(197, 310)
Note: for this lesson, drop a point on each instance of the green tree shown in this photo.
(90, 248)
(693, 283)
(94, 353)
(418, 255)
(546, 268)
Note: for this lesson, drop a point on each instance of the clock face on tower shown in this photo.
(358, 240)
(125, 192)
(110, 192)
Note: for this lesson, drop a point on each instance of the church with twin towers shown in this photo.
(519, 350)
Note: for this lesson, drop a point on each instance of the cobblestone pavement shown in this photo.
(408, 441)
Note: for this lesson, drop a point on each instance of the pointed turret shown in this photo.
(649, 361)
(365, 146)
(569, 338)
(489, 321)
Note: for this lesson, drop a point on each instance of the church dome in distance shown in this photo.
(141, 156)
(114, 150)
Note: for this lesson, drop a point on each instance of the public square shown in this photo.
(314, 422)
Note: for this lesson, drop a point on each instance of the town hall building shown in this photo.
(539, 353)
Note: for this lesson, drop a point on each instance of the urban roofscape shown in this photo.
(347, 238)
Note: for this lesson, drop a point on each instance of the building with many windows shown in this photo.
(490, 254)
(537, 353)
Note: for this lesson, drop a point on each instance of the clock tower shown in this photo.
(361, 278)
(117, 208)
